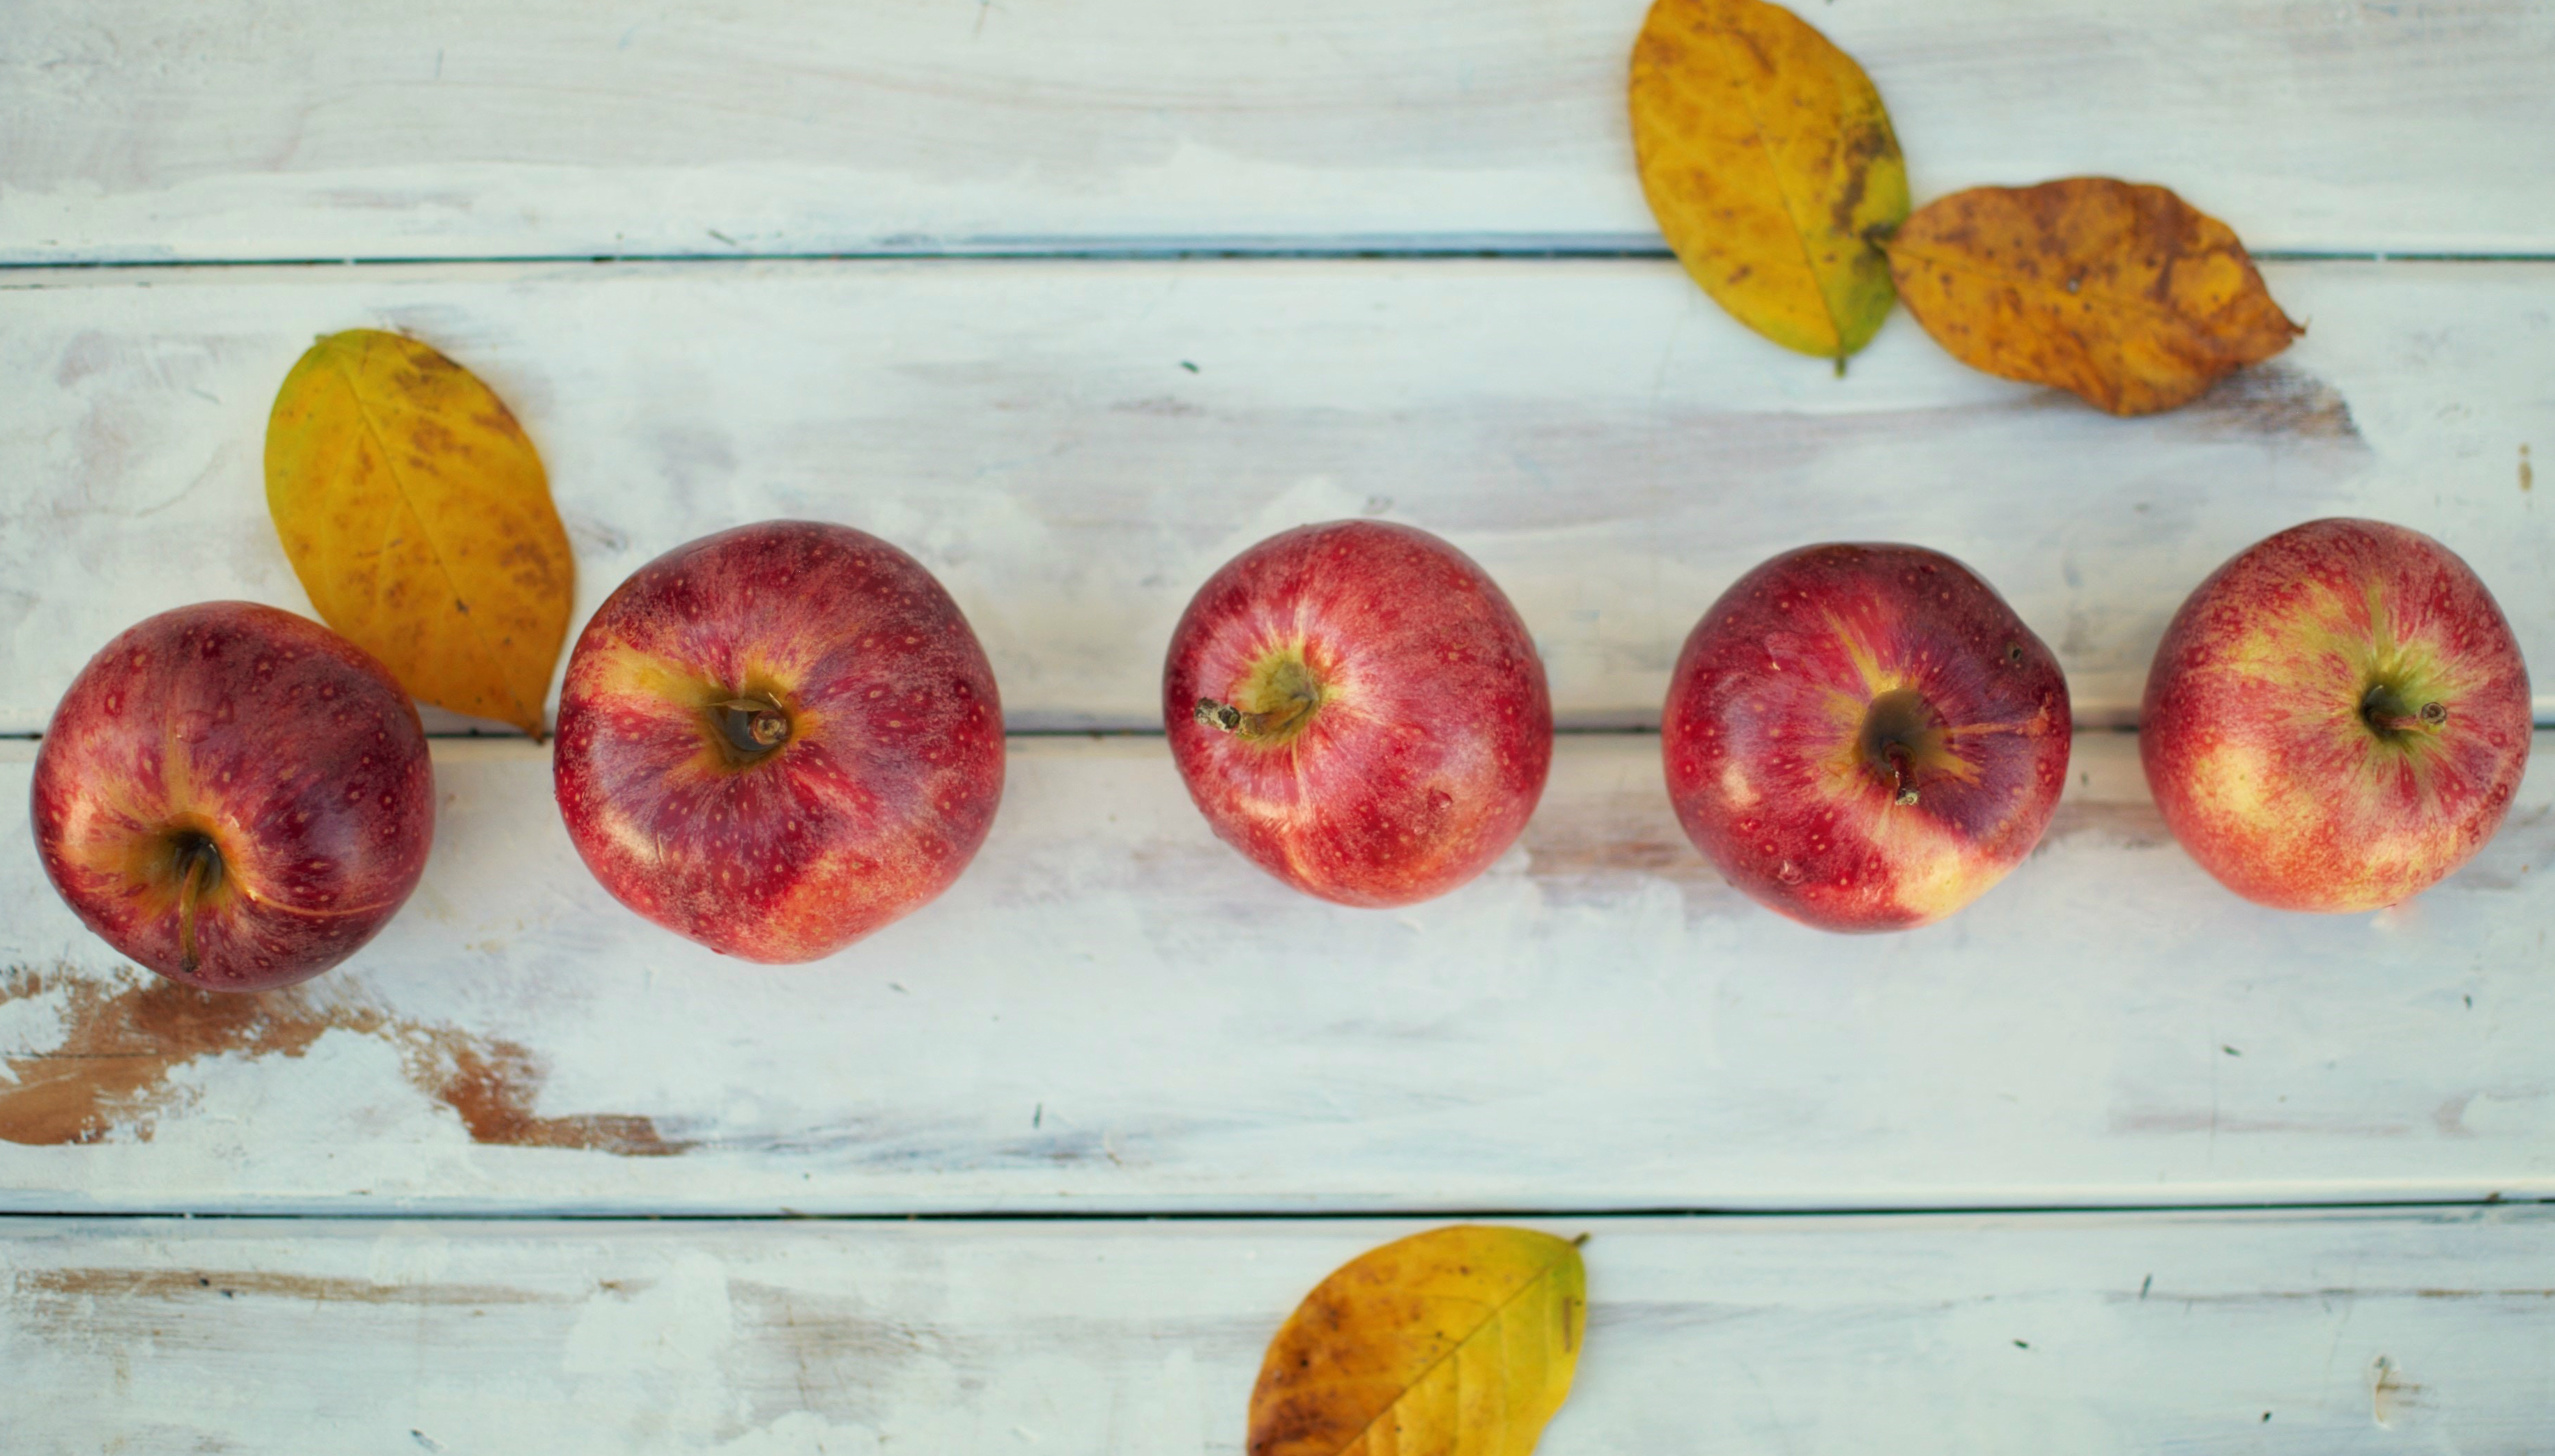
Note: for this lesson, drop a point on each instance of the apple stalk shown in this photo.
(2386, 713)
(1276, 723)
(199, 865)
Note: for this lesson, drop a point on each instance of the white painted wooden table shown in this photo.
(1074, 302)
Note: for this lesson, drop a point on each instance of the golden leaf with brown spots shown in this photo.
(1770, 165)
(1457, 1342)
(2118, 292)
(419, 518)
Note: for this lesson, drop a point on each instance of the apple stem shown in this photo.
(1902, 769)
(753, 724)
(198, 861)
(2431, 717)
(1226, 719)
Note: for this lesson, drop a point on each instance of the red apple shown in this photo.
(1356, 709)
(1864, 736)
(2337, 718)
(234, 796)
(778, 739)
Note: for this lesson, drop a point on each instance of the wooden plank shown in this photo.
(1112, 1010)
(240, 129)
(2319, 1335)
(1608, 445)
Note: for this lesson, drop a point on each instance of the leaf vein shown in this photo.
(1496, 1313)
(399, 482)
(1791, 213)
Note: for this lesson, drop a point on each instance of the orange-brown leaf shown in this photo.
(420, 520)
(1456, 1342)
(1770, 165)
(2120, 291)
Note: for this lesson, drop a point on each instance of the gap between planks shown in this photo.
(1167, 250)
(1626, 1213)
(1419, 249)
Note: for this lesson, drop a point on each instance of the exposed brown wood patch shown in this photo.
(1587, 860)
(2205, 1120)
(829, 1357)
(2130, 823)
(111, 1067)
(2328, 1295)
(2279, 400)
(2392, 1396)
(181, 1283)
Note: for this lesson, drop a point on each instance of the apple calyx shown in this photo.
(1903, 774)
(199, 865)
(751, 727)
(1900, 734)
(1285, 689)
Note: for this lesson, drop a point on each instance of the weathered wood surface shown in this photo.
(1074, 447)
(1111, 1010)
(2312, 1335)
(246, 129)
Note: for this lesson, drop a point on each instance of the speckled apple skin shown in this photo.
(1760, 729)
(285, 743)
(1433, 736)
(879, 798)
(2252, 735)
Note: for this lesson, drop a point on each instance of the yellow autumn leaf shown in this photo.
(2120, 291)
(419, 518)
(1456, 1342)
(1770, 165)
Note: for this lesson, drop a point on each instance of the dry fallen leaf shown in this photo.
(419, 518)
(1772, 169)
(1457, 1342)
(2120, 292)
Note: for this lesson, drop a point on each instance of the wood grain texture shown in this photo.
(1073, 447)
(246, 129)
(1111, 1010)
(2266, 1335)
